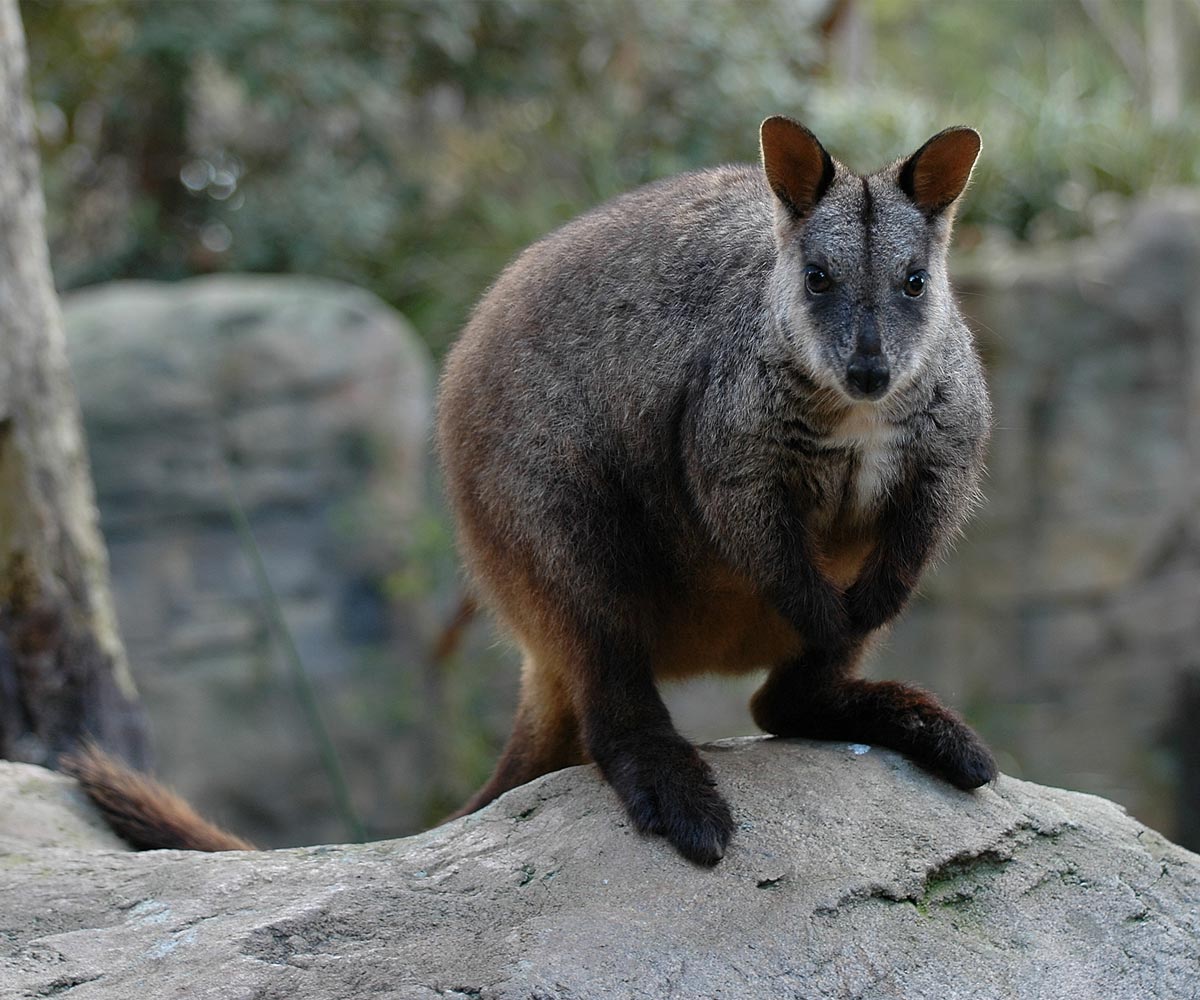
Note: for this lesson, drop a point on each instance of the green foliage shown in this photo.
(1065, 128)
(414, 147)
(411, 148)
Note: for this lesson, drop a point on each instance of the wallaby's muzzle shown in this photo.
(868, 375)
(867, 372)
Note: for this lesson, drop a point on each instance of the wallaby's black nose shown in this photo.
(869, 374)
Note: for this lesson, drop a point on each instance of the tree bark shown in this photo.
(63, 672)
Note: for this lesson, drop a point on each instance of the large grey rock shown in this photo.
(1066, 618)
(851, 874)
(311, 401)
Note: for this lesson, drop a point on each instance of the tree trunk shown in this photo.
(63, 673)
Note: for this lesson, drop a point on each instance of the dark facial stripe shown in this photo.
(868, 218)
(868, 205)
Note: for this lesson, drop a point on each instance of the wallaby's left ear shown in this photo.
(935, 175)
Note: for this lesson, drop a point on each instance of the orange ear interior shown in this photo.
(936, 174)
(797, 167)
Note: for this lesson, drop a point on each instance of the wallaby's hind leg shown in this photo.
(814, 696)
(660, 778)
(545, 734)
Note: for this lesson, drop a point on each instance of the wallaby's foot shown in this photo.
(667, 789)
(885, 713)
(972, 763)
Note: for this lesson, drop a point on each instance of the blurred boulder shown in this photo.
(309, 402)
(1069, 615)
(41, 810)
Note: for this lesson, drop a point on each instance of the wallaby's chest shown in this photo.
(865, 457)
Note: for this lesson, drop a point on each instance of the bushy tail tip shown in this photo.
(143, 812)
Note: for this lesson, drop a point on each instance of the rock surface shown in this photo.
(852, 874)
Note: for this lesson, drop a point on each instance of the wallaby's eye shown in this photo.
(816, 280)
(914, 284)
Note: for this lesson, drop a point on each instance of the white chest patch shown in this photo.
(876, 443)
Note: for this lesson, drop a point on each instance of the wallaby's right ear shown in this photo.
(798, 169)
(937, 173)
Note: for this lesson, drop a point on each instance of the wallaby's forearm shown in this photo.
(753, 515)
(891, 573)
(755, 527)
(913, 527)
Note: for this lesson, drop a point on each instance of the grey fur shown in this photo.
(576, 362)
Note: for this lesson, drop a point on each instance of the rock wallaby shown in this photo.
(720, 423)
(717, 424)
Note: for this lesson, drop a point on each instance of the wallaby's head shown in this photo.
(860, 286)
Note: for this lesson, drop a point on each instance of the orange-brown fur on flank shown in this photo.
(723, 624)
(546, 728)
(142, 811)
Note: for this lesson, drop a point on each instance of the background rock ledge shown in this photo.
(852, 874)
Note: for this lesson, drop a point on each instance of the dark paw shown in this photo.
(952, 751)
(972, 763)
(669, 791)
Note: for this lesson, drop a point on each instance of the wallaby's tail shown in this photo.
(143, 812)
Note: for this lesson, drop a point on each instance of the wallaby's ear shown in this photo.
(935, 175)
(796, 164)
